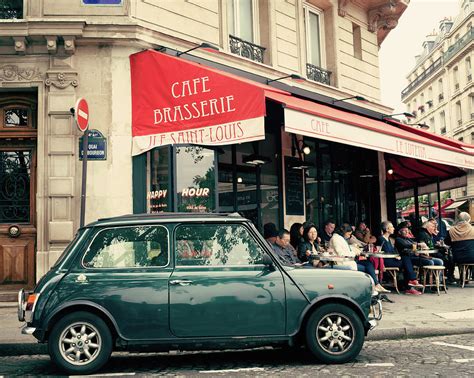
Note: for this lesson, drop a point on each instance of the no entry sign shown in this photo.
(81, 114)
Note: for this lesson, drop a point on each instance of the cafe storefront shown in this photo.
(208, 141)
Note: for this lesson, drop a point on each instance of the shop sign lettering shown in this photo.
(411, 149)
(195, 192)
(320, 126)
(156, 194)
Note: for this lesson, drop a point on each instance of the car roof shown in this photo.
(129, 219)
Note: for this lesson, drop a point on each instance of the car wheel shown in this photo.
(80, 343)
(334, 334)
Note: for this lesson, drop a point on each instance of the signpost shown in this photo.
(81, 116)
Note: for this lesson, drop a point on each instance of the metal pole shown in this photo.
(85, 143)
(417, 209)
(438, 189)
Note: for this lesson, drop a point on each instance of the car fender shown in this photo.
(330, 298)
(81, 305)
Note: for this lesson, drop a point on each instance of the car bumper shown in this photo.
(376, 311)
(26, 330)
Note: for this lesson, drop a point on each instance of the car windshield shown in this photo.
(68, 248)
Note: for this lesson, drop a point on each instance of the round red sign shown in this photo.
(81, 114)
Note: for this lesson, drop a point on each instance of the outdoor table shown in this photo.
(382, 255)
(426, 251)
(331, 260)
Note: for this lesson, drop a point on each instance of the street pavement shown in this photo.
(446, 356)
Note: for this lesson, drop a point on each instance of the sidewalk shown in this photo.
(408, 317)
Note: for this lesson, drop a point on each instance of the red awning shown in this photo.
(320, 121)
(175, 101)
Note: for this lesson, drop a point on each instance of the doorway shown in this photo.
(18, 135)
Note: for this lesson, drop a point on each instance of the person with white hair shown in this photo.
(461, 240)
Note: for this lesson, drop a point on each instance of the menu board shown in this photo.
(294, 188)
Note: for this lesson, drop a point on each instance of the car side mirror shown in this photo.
(267, 260)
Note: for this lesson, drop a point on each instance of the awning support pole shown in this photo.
(439, 202)
(417, 208)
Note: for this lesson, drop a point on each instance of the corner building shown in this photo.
(308, 155)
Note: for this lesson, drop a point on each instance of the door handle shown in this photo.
(181, 282)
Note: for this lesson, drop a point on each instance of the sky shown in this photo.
(397, 54)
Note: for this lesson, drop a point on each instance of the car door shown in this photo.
(125, 270)
(220, 287)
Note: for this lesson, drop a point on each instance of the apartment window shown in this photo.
(459, 113)
(440, 90)
(357, 40)
(12, 9)
(313, 22)
(468, 69)
(442, 122)
(456, 78)
(243, 22)
(431, 123)
(471, 104)
(430, 97)
(472, 138)
(242, 19)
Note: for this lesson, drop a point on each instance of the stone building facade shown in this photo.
(53, 52)
(440, 92)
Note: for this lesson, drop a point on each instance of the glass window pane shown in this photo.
(246, 20)
(226, 188)
(230, 17)
(158, 198)
(246, 184)
(195, 179)
(17, 117)
(15, 186)
(127, 247)
(313, 40)
(216, 245)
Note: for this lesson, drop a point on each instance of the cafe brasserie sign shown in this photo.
(175, 101)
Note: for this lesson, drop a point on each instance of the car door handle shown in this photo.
(181, 282)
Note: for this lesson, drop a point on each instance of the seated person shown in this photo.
(406, 224)
(362, 233)
(339, 243)
(270, 232)
(406, 245)
(284, 250)
(327, 231)
(403, 262)
(461, 240)
(309, 245)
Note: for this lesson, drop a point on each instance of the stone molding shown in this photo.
(12, 72)
(61, 79)
(385, 16)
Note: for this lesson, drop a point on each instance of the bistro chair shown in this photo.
(465, 271)
(435, 274)
(393, 273)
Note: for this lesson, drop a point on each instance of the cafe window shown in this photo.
(159, 195)
(216, 245)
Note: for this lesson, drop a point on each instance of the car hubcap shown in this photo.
(80, 343)
(335, 333)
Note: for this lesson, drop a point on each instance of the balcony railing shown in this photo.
(424, 75)
(458, 45)
(246, 49)
(11, 9)
(318, 74)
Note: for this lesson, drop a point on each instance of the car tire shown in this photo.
(80, 343)
(334, 334)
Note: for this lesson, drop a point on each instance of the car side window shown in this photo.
(128, 247)
(216, 245)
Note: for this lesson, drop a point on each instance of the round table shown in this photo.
(382, 255)
(332, 259)
(426, 251)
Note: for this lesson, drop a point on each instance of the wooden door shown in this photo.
(17, 193)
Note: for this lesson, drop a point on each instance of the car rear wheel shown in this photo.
(334, 334)
(80, 342)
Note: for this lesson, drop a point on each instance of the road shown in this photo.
(445, 356)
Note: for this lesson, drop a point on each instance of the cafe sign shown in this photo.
(175, 101)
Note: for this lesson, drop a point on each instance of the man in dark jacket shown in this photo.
(461, 239)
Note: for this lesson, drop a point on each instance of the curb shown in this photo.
(414, 333)
(19, 349)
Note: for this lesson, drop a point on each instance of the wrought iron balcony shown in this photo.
(438, 63)
(246, 49)
(11, 9)
(458, 45)
(318, 74)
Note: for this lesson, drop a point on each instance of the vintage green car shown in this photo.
(189, 281)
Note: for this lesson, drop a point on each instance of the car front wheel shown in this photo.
(334, 334)
(80, 343)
